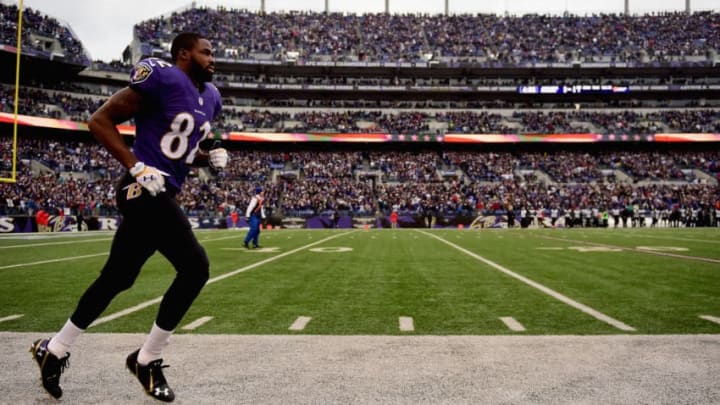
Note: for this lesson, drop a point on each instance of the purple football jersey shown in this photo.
(174, 118)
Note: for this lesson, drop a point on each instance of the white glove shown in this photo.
(149, 177)
(218, 158)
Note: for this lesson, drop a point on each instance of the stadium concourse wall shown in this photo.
(67, 223)
(489, 220)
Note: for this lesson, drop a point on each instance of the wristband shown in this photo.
(137, 169)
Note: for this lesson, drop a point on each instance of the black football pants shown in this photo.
(149, 224)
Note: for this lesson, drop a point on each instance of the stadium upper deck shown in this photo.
(43, 36)
(513, 40)
(421, 40)
(459, 58)
(628, 63)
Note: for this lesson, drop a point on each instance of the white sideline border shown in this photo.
(554, 294)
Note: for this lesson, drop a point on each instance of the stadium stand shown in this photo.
(43, 36)
(478, 77)
(483, 38)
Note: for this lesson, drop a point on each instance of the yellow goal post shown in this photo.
(13, 172)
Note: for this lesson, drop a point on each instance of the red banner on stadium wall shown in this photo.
(383, 137)
(42, 122)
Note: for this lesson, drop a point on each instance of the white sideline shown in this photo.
(156, 300)
(560, 297)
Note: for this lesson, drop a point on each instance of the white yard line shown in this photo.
(710, 318)
(631, 249)
(86, 256)
(407, 324)
(677, 238)
(560, 297)
(68, 242)
(197, 323)
(11, 317)
(512, 324)
(53, 260)
(37, 236)
(221, 277)
(300, 323)
(223, 238)
(126, 311)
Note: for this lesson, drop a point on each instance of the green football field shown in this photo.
(391, 282)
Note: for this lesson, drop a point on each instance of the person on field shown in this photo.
(173, 105)
(254, 214)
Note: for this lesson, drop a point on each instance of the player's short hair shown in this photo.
(185, 40)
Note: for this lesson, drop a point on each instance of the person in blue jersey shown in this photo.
(173, 105)
(254, 214)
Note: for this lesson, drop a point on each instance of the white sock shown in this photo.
(154, 345)
(61, 343)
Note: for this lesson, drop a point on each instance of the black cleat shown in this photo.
(151, 377)
(51, 367)
(246, 245)
(257, 247)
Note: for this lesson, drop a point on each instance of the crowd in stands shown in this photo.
(552, 122)
(79, 176)
(508, 39)
(318, 196)
(75, 102)
(473, 104)
(112, 66)
(492, 167)
(585, 167)
(50, 104)
(548, 38)
(407, 37)
(419, 167)
(38, 25)
(459, 81)
(326, 166)
(254, 166)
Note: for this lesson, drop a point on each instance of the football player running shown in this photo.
(173, 105)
